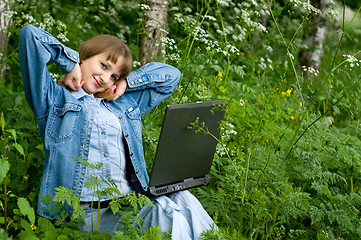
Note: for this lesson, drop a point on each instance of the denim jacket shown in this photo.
(65, 126)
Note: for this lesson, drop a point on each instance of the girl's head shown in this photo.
(112, 46)
(104, 59)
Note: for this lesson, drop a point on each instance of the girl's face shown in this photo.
(99, 74)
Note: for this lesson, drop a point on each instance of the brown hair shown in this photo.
(110, 45)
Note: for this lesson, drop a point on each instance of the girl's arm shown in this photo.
(151, 84)
(36, 49)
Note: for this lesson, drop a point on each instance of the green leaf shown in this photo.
(13, 133)
(3, 234)
(26, 210)
(19, 148)
(40, 147)
(62, 237)
(2, 121)
(27, 235)
(45, 224)
(45, 199)
(4, 168)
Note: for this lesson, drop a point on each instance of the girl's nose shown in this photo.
(106, 78)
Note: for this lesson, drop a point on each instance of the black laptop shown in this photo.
(184, 155)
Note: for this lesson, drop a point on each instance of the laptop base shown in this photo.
(186, 184)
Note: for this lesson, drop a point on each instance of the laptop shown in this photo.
(184, 155)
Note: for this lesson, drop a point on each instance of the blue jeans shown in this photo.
(180, 211)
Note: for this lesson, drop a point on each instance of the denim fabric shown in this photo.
(106, 147)
(65, 125)
(180, 211)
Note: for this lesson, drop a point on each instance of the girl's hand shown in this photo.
(115, 91)
(73, 80)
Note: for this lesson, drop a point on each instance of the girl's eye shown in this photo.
(103, 65)
(113, 77)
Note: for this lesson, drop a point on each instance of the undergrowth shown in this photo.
(287, 165)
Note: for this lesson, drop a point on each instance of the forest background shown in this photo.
(288, 161)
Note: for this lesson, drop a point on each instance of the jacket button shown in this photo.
(137, 172)
(126, 135)
(120, 117)
(131, 154)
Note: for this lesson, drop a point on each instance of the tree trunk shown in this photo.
(155, 28)
(4, 25)
(316, 33)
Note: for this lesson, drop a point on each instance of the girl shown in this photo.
(76, 124)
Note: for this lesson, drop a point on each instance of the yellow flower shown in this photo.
(9, 136)
(224, 90)
(292, 117)
(32, 226)
(26, 177)
(289, 91)
(301, 104)
(219, 74)
(283, 93)
(205, 87)
(259, 72)
(257, 84)
(242, 53)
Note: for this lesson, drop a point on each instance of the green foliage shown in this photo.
(287, 164)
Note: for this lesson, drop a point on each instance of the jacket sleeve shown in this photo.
(36, 49)
(151, 84)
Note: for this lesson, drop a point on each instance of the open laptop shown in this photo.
(184, 157)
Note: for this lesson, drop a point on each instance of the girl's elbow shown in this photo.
(27, 31)
(174, 74)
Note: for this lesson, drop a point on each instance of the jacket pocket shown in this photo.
(63, 122)
(135, 122)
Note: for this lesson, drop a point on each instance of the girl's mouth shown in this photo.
(96, 82)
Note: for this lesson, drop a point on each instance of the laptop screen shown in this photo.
(186, 148)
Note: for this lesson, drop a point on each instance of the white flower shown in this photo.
(352, 60)
(62, 37)
(310, 70)
(136, 64)
(242, 102)
(143, 7)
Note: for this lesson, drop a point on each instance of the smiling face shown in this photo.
(100, 73)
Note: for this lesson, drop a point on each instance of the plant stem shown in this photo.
(322, 115)
(5, 193)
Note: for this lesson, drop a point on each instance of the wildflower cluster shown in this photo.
(47, 23)
(310, 70)
(227, 132)
(352, 60)
(305, 6)
(288, 92)
(143, 7)
(264, 63)
(253, 25)
(225, 3)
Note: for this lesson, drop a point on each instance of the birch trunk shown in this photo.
(4, 25)
(316, 33)
(155, 28)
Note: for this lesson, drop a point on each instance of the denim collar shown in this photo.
(81, 93)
